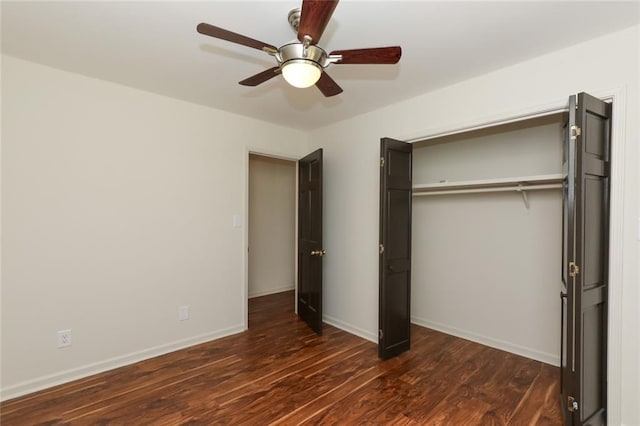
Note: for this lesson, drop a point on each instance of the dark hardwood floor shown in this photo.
(279, 372)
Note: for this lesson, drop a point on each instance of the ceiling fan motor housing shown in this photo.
(299, 52)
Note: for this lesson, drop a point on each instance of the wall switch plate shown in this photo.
(183, 313)
(237, 221)
(64, 338)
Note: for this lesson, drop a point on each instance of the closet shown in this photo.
(501, 235)
(486, 236)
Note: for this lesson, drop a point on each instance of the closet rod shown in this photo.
(518, 188)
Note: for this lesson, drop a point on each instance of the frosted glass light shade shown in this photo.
(301, 73)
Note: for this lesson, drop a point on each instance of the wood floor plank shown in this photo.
(328, 399)
(279, 372)
(545, 391)
(233, 382)
(292, 392)
(444, 382)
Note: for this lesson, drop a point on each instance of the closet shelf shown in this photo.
(520, 184)
(490, 185)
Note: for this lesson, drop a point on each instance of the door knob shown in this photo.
(318, 253)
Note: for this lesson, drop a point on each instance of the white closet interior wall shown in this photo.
(484, 266)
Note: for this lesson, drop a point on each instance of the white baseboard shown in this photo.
(350, 328)
(271, 291)
(55, 379)
(545, 357)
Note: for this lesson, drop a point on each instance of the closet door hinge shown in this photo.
(381, 161)
(572, 404)
(381, 249)
(573, 269)
(575, 132)
(380, 334)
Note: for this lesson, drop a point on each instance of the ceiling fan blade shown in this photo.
(376, 55)
(227, 35)
(328, 86)
(260, 78)
(314, 17)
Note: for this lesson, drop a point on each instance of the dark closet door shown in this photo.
(395, 248)
(568, 250)
(310, 250)
(584, 374)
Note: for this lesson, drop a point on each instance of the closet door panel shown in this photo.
(395, 248)
(593, 118)
(310, 250)
(567, 356)
(584, 379)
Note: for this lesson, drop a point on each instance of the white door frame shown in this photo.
(245, 237)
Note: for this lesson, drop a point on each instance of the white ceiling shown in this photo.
(154, 46)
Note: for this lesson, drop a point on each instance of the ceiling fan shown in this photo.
(303, 63)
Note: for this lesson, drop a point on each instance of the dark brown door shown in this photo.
(568, 249)
(310, 250)
(584, 369)
(395, 248)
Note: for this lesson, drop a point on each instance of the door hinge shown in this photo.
(572, 404)
(381, 249)
(575, 132)
(380, 334)
(573, 269)
(381, 161)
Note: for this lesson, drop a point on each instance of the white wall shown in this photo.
(351, 150)
(524, 148)
(272, 219)
(485, 267)
(117, 208)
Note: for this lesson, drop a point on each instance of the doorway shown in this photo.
(271, 227)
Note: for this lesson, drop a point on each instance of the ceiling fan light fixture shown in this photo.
(301, 73)
(301, 64)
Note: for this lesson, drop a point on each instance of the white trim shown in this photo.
(547, 358)
(616, 251)
(55, 379)
(295, 253)
(350, 328)
(272, 291)
(270, 153)
(618, 97)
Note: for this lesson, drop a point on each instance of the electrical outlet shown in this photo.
(183, 313)
(64, 338)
